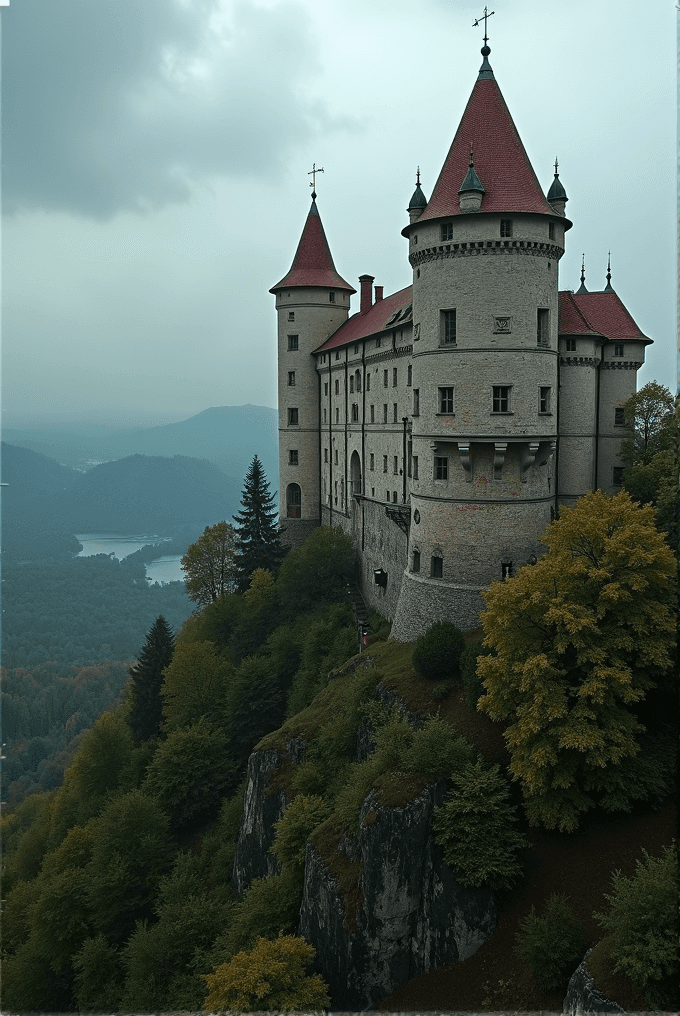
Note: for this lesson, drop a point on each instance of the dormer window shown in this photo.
(506, 227)
(447, 231)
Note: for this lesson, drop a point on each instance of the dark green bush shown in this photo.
(553, 945)
(643, 919)
(475, 828)
(436, 655)
(471, 681)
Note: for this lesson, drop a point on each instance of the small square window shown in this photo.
(292, 417)
(386, 378)
(409, 376)
(394, 413)
(619, 417)
(293, 457)
(291, 315)
(384, 412)
(372, 414)
(449, 326)
(293, 341)
(446, 400)
(618, 349)
(447, 231)
(331, 297)
(441, 468)
(544, 400)
(394, 377)
(415, 467)
(372, 465)
(551, 230)
(506, 227)
(396, 465)
(571, 345)
(617, 478)
(291, 378)
(384, 463)
(501, 398)
(437, 567)
(416, 561)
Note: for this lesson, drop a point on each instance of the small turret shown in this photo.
(557, 196)
(609, 288)
(418, 202)
(582, 288)
(471, 190)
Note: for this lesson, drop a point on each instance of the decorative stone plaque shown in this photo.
(502, 325)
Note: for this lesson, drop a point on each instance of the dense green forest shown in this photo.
(117, 884)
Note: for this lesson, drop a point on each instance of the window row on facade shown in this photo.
(446, 231)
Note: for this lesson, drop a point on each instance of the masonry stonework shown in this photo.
(442, 426)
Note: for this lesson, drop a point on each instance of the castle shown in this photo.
(442, 426)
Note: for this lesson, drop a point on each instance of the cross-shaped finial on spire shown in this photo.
(487, 14)
(313, 171)
(556, 165)
(418, 176)
(609, 272)
(583, 269)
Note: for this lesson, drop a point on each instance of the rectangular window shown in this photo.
(416, 560)
(619, 417)
(543, 326)
(337, 355)
(372, 414)
(409, 376)
(292, 417)
(618, 349)
(337, 387)
(446, 400)
(617, 478)
(291, 315)
(437, 567)
(336, 456)
(368, 382)
(291, 378)
(394, 377)
(387, 495)
(292, 341)
(506, 570)
(324, 416)
(396, 465)
(293, 457)
(394, 412)
(351, 384)
(384, 463)
(506, 227)
(377, 343)
(441, 468)
(356, 348)
(551, 230)
(414, 238)
(384, 412)
(571, 345)
(355, 412)
(331, 297)
(337, 415)
(449, 326)
(386, 375)
(394, 496)
(372, 465)
(501, 398)
(416, 402)
(544, 400)
(415, 467)
(372, 491)
(447, 231)
(325, 454)
(325, 387)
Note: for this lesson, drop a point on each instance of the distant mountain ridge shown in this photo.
(228, 436)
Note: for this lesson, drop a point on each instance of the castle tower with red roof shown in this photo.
(442, 426)
(312, 301)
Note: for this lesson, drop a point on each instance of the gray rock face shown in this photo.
(415, 915)
(583, 998)
(256, 830)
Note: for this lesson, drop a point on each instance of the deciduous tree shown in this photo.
(578, 639)
(257, 533)
(209, 564)
(146, 713)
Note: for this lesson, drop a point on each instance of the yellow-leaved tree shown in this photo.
(577, 641)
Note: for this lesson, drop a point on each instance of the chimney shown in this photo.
(366, 283)
(378, 293)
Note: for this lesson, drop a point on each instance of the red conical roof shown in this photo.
(501, 161)
(313, 263)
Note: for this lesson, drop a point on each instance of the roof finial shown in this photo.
(608, 288)
(472, 159)
(418, 176)
(556, 165)
(485, 70)
(487, 14)
(313, 171)
(583, 276)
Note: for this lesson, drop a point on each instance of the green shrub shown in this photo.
(300, 819)
(474, 828)
(643, 919)
(97, 984)
(436, 655)
(269, 977)
(270, 906)
(471, 681)
(553, 945)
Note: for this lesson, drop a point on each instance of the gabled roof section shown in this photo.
(572, 321)
(605, 313)
(500, 160)
(313, 262)
(358, 326)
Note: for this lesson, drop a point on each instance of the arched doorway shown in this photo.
(355, 472)
(293, 501)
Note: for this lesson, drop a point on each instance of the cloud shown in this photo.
(110, 106)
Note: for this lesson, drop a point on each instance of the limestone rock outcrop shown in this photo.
(583, 998)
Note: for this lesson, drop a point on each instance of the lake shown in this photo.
(162, 569)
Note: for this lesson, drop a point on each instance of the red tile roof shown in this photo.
(572, 321)
(358, 326)
(501, 161)
(313, 263)
(605, 313)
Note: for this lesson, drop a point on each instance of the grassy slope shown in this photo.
(578, 865)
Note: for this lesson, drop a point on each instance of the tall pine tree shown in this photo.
(146, 714)
(258, 542)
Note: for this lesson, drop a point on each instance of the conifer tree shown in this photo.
(146, 714)
(258, 542)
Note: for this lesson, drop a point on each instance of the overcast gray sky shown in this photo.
(155, 157)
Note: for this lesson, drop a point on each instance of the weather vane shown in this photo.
(313, 171)
(487, 14)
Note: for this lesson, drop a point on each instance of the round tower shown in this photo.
(485, 254)
(312, 301)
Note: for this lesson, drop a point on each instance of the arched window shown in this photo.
(357, 380)
(355, 472)
(293, 501)
(437, 565)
